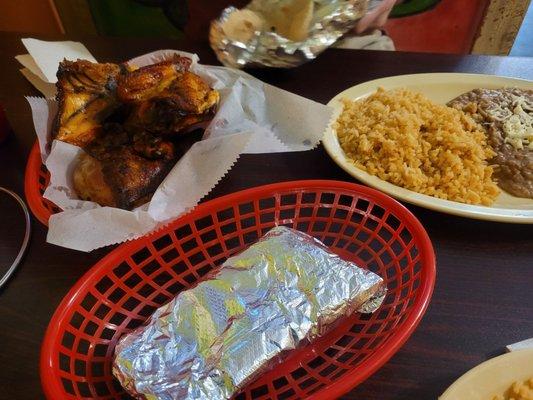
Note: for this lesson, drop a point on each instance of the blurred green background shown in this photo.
(139, 17)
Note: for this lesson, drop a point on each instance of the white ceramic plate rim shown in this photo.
(332, 146)
(480, 380)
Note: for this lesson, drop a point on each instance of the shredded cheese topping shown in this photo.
(518, 128)
(517, 122)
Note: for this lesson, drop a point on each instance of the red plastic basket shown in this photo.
(126, 286)
(36, 180)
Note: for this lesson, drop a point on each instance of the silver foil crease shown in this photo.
(213, 339)
(332, 19)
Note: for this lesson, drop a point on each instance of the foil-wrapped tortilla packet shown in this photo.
(213, 339)
(283, 33)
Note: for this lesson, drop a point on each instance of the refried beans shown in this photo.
(506, 116)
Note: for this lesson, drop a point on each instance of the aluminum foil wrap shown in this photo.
(331, 19)
(213, 339)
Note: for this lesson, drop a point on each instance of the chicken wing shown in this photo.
(86, 93)
(166, 98)
(146, 82)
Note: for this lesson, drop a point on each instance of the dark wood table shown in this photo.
(483, 297)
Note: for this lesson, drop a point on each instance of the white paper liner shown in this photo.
(28, 62)
(43, 112)
(253, 117)
(48, 55)
(47, 89)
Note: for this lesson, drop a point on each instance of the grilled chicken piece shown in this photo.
(152, 147)
(89, 182)
(166, 98)
(86, 93)
(146, 82)
(128, 121)
(121, 171)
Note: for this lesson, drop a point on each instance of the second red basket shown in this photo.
(125, 287)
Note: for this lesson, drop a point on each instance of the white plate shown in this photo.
(441, 88)
(492, 377)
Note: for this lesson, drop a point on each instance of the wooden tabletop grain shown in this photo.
(483, 297)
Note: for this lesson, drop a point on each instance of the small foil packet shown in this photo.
(211, 340)
(283, 33)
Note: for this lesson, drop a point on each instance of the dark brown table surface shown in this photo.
(483, 297)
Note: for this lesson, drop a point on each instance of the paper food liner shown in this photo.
(253, 117)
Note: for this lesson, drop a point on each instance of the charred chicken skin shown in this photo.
(86, 93)
(166, 98)
(130, 124)
(122, 170)
(124, 179)
(146, 82)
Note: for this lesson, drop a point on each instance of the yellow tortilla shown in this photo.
(290, 18)
(241, 25)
